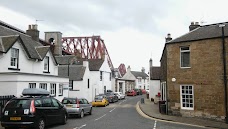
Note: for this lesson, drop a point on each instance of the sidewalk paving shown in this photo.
(152, 110)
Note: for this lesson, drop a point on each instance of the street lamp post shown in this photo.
(224, 68)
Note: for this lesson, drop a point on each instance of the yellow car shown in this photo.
(100, 100)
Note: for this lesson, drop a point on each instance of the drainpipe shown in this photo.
(224, 70)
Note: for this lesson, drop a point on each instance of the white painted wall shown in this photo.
(14, 83)
(154, 88)
(82, 87)
(27, 65)
(31, 71)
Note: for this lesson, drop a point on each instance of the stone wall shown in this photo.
(205, 74)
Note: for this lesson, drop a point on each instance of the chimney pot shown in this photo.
(29, 27)
(192, 23)
(196, 23)
(168, 38)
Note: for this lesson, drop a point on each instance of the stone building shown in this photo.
(192, 72)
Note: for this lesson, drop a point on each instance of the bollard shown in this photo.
(142, 100)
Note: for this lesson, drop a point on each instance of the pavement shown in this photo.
(152, 110)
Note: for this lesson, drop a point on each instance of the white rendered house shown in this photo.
(155, 82)
(87, 77)
(26, 63)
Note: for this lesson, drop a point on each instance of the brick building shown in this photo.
(192, 72)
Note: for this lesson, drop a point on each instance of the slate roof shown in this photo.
(139, 74)
(113, 73)
(76, 72)
(203, 32)
(155, 73)
(94, 64)
(10, 35)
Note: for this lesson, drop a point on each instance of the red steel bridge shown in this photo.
(86, 47)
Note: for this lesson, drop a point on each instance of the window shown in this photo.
(43, 86)
(47, 102)
(88, 83)
(71, 85)
(60, 89)
(110, 77)
(185, 57)
(46, 64)
(53, 89)
(55, 102)
(139, 80)
(14, 57)
(32, 85)
(101, 75)
(187, 98)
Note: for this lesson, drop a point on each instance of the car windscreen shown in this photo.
(98, 97)
(69, 101)
(19, 103)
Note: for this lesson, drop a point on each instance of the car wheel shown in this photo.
(81, 114)
(64, 119)
(40, 124)
(90, 112)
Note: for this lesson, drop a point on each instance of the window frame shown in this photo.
(43, 86)
(53, 89)
(60, 89)
(101, 75)
(14, 57)
(181, 99)
(46, 64)
(31, 85)
(185, 51)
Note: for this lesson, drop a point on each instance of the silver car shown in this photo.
(77, 106)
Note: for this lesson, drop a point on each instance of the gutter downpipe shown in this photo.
(224, 71)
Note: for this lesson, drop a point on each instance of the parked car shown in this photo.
(138, 91)
(112, 98)
(35, 109)
(131, 93)
(147, 91)
(144, 91)
(109, 91)
(100, 100)
(77, 106)
(120, 95)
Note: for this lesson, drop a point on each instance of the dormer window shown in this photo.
(46, 64)
(14, 57)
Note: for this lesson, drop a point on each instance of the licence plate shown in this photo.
(15, 118)
(69, 106)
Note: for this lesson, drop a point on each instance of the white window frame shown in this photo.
(46, 64)
(185, 51)
(43, 86)
(181, 98)
(32, 85)
(53, 89)
(60, 89)
(139, 80)
(14, 59)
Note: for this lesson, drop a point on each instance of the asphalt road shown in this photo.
(120, 115)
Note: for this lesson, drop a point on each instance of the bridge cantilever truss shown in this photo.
(86, 47)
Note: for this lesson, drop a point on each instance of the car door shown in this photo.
(57, 111)
(87, 105)
(47, 110)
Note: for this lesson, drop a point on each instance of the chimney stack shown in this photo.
(143, 69)
(193, 26)
(33, 32)
(168, 38)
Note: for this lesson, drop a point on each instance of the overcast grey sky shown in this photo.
(133, 30)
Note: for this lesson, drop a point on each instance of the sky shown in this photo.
(133, 30)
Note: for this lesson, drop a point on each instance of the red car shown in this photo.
(131, 93)
(143, 91)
